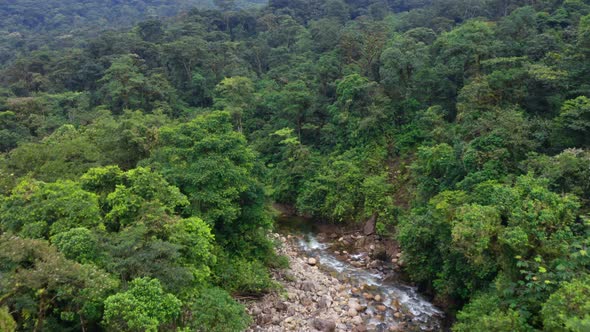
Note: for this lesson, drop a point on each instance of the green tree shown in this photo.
(520, 233)
(7, 323)
(242, 276)
(436, 169)
(584, 34)
(460, 51)
(11, 131)
(44, 290)
(214, 310)
(134, 252)
(151, 30)
(566, 172)
(485, 313)
(182, 56)
(573, 123)
(334, 192)
(474, 229)
(142, 307)
(141, 211)
(401, 64)
(78, 244)
(295, 166)
(294, 104)
(143, 196)
(196, 241)
(136, 196)
(568, 309)
(67, 153)
(354, 98)
(212, 165)
(123, 84)
(235, 95)
(38, 209)
(126, 139)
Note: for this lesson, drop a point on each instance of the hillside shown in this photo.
(448, 139)
(28, 25)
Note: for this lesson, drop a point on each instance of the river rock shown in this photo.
(307, 302)
(354, 303)
(398, 315)
(381, 307)
(281, 306)
(312, 261)
(325, 302)
(316, 300)
(369, 227)
(291, 311)
(361, 243)
(374, 264)
(276, 320)
(308, 286)
(357, 320)
(360, 328)
(324, 325)
(264, 319)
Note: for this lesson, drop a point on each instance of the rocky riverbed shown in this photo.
(327, 288)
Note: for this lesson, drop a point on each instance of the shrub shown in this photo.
(241, 276)
(215, 311)
(568, 309)
(7, 323)
(484, 313)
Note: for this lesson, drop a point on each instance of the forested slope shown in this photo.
(463, 126)
(29, 24)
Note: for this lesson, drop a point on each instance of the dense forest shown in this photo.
(138, 165)
(27, 25)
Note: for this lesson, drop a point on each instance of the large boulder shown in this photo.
(370, 225)
(308, 286)
(324, 325)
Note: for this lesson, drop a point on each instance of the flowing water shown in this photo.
(405, 307)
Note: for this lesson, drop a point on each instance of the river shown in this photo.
(384, 300)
